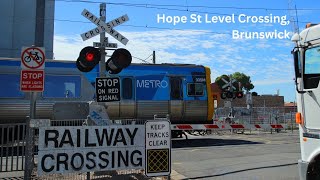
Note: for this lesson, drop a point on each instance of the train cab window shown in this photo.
(126, 88)
(195, 89)
(10, 86)
(62, 86)
(176, 89)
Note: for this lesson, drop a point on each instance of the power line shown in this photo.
(158, 28)
(143, 60)
(189, 6)
(146, 26)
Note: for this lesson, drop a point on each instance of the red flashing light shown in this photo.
(89, 56)
(239, 94)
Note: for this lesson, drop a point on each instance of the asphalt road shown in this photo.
(238, 156)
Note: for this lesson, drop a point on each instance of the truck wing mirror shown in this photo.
(297, 70)
(297, 67)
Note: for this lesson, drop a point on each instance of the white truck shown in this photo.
(307, 76)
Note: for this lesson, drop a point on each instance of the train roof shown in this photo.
(72, 64)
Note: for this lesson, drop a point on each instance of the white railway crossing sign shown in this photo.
(229, 83)
(105, 44)
(104, 27)
(75, 149)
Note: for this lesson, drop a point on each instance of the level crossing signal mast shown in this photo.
(90, 56)
(231, 95)
(229, 89)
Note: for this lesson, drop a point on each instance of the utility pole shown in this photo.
(154, 57)
(102, 63)
(38, 42)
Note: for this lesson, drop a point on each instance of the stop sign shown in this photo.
(32, 80)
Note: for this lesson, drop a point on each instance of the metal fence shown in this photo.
(14, 151)
(257, 115)
(12, 147)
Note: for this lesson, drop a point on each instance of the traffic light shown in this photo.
(239, 94)
(223, 95)
(88, 58)
(120, 59)
(226, 94)
(233, 95)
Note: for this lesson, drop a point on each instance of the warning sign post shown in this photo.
(31, 80)
(158, 148)
(32, 65)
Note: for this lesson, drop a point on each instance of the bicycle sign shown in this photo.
(32, 58)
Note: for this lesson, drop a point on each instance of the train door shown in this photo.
(127, 103)
(176, 99)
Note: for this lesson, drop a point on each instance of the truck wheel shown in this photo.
(314, 169)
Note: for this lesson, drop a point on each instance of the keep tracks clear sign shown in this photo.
(158, 148)
(90, 148)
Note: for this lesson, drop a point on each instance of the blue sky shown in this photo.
(267, 61)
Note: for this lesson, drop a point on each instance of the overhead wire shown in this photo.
(143, 60)
(189, 6)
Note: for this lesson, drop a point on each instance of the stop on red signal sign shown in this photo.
(32, 80)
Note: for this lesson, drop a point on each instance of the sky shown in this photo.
(202, 32)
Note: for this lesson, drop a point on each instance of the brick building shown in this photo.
(290, 107)
(258, 101)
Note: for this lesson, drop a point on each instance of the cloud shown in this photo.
(273, 81)
(263, 60)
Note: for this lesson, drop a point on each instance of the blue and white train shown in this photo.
(180, 90)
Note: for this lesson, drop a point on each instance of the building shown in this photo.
(290, 107)
(257, 101)
(26, 23)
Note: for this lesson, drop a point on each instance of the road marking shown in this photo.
(177, 163)
(175, 175)
(194, 150)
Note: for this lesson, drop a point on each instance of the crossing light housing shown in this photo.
(88, 58)
(120, 59)
(239, 94)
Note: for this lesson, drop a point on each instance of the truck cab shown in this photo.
(307, 77)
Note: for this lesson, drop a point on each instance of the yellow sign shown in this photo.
(158, 160)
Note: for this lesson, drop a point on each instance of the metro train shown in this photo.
(180, 90)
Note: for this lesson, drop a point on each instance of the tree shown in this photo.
(254, 94)
(240, 78)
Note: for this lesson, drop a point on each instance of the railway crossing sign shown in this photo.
(158, 148)
(105, 44)
(104, 27)
(229, 83)
(32, 58)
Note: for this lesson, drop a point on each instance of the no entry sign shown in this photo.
(32, 80)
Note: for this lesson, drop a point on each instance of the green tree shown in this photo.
(244, 80)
